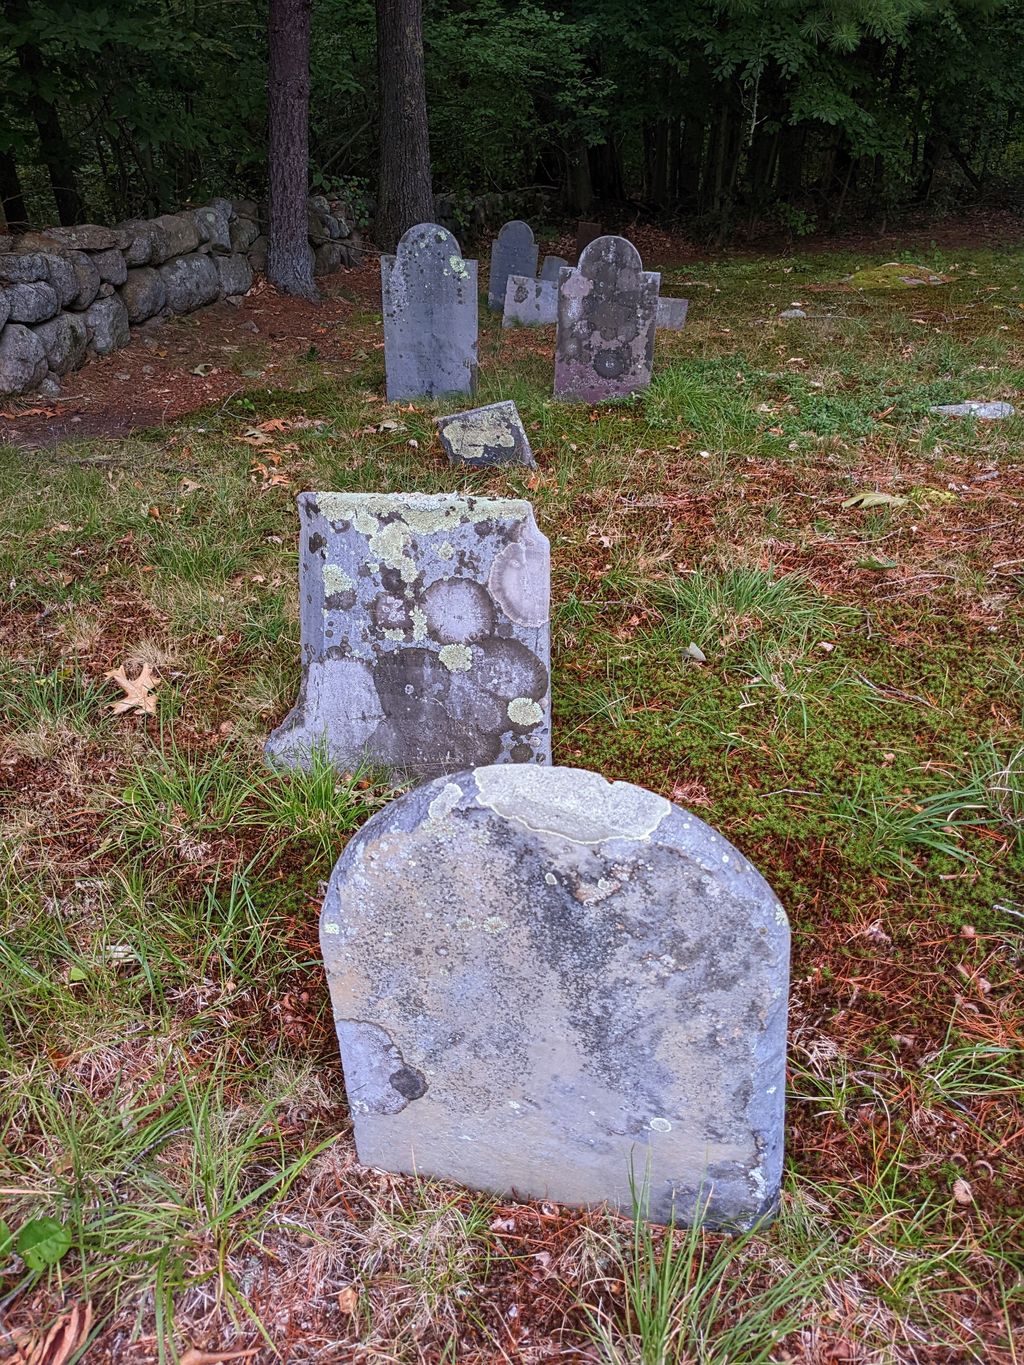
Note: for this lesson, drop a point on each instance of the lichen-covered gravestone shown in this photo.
(485, 436)
(429, 300)
(607, 316)
(425, 637)
(529, 302)
(545, 984)
(513, 252)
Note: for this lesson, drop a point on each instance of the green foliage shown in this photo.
(42, 1242)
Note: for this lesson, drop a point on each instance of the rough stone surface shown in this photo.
(485, 436)
(585, 234)
(111, 265)
(607, 315)
(790, 313)
(672, 314)
(88, 237)
(107, 321)
(176, 234)
(22, 359)
(141, 246)
(235, 273)
(144, 293)
(61, 276)
(212, 224)
(329, 257)
(513, 252)
(242, 233)
(542, 981)
(22, 268)
(425, 638)
(64, 340)
(429, 300)
(551, 268)
(258, 253)
(529, 302)
(32, 302)
(87, 276)
(985, 412)
(190, 282)
(5, 307)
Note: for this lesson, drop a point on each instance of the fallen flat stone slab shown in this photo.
(549, 986)
(425, 635)
(985, 412)
(529, 302)
(672, 314)
(481, 437)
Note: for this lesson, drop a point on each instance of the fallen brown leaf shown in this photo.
(65, 1339)
(193, 1356)
(348, 1299)
(139, 696)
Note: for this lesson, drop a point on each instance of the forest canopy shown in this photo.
(726, 112)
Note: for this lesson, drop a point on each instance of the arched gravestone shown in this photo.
(429, 301)
(543, 982)
(607, 316)
(425, 637)
(513, 252)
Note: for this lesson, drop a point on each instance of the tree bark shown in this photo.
(12, 201)
(405, 195)
(289, 258)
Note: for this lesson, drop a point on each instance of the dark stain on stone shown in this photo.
(410, 1083)
(317, 542)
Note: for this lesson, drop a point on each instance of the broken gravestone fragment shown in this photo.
(672, 314)
(425, 637)
(607, 316)
(513, 252)
(485, 436)
(985, 412)
(429, 301)
(550, 986)
(529, 302)
(551, 268)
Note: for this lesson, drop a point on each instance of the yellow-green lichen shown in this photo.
(446, 550)
(419, 623)
(336, 580)
(389, 544)
(525, 711)
(456, 658)
(474, 437)
(423, 512)
(459, 267)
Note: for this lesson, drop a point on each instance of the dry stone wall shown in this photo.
(70, 292)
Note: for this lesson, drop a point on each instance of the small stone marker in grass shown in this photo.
(551, 268)
(543, 982)
(672, 314)
(985, 412)
(529, 302)
(513, 252)
(485, 436)
(429, 301)
(607, 316)
(425, 637)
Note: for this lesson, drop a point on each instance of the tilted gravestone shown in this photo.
(529, 302)
(513, 252)
(545, 984)
(585, 234)
(551, 267)
(672, 314)
(425, 637)
(485, 436)
(607, 316)
(429, 301)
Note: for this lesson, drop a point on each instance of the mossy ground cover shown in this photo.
(785, 595)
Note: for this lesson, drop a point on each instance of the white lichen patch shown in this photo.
(389, 544)
(446, 550)
(578, 805)
(336, 580)
(525, 711)
(419, 623)
(459, 267)
(445, 801)
(425, 513)
(456, 658)
(471, 437)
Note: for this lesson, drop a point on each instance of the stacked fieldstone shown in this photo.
(70, 292)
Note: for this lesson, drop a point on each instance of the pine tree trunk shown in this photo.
(405, 194)
(12, 201)
(289, 258)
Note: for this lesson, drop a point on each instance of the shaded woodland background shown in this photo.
(735, 116)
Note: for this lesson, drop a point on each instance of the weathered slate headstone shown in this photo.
(607, 315)
(541, 980)
(425, 637)
(529, 302)
(585, 234)
(485, 436)
(551, 268)
(513, 252)
(429, 301)
(672, 314)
